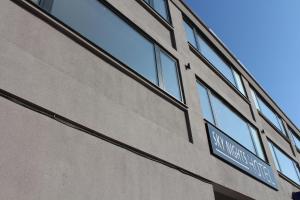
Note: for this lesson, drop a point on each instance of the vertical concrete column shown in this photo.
(188, 78)
(179, 39)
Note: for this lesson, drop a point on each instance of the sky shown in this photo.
(265, 36)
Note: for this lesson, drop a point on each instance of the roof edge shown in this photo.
(237, 60)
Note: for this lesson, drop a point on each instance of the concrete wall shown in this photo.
(44, 63)
(43, 159)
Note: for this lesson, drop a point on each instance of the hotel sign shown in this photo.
(227, 149)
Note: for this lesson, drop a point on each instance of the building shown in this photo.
(133, 100)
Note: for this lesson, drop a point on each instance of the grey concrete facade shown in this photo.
(137, 142)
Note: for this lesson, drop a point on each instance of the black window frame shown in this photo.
(293, 136)
(211, 92)
(283, 133)
(46, 5)
(220, 54)
(150, 3)
(274, 145)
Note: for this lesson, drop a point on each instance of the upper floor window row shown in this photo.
(223, 117)
(268, 113)
(95, 21)
(295, 138)
(161, 7)
(206, 49)
(285, 164)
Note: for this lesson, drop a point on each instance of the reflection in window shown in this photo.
(35, 1)
(104, 28)
(190, 34)
(268, 113)
(201, 44)
(284, 164)
(161, 7)
(205, 104)
(222, 116)
(214, 58)
(170, 75)
(238, 81)
(257, 143)
(295, 138)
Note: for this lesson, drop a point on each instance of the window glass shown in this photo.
(103, 27)
(219, 114)
(231, 124)
(169, 72)
(270, 115)
(257, 143)
(239, 82)
(295, 139)
(255, 99)
(297, 170)
(161, 7)
(274, 157)
(35, 1)
(109, 31)
(205, 105)
(287, 166)
(190, 34)
(214, 59)
(280, 122)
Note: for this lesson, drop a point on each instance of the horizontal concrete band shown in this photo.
(70, 123)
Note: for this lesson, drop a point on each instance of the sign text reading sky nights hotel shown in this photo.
(229, 150)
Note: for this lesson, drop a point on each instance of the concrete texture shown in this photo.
(43, 159)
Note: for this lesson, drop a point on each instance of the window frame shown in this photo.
(161, 79)
(233, 70)
(256, 97)
(295, 163)
(46, 6)
(210, 93)
(150, 3)
(294, 136)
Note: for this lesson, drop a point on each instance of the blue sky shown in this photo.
(265, 37)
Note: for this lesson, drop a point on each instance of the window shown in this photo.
(268, 113)
(161, 7)
(295, 138)
(104, 28)
(285, 164)
(169, 75)
(223, 117)
(190, 34)
(197, 41)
